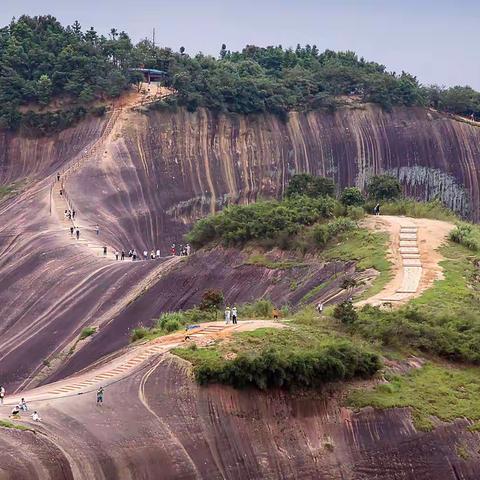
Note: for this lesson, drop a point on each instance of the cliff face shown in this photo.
(158, 424)
(165, 169)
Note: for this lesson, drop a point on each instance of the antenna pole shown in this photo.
(153, 41)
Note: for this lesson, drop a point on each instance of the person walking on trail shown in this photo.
(275, 314)
(71, 231)
(158, 253)
(134, 255)
(227, 316)
(145, 255)
(152, 255)
(23, 405)
(58, 177)
(100, 394)
(97, 229)
(122, 256)
(105, 251)
(77, 233)
(188, 248)
(2, 394)
(234, 315)
(73, 214)
(172, 249)
(36, 416)
(320, 307)
(376, 210)
(116, 254)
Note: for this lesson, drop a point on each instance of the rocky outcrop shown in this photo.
(158, 424)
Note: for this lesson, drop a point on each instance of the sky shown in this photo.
(436, 40)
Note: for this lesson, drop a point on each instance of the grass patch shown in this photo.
(430, 391)
(369, 250)
(8, 190)
(16, 426)
(263, 261)
(87, 332)
(411, 208)
(467, 235)
(303, 356)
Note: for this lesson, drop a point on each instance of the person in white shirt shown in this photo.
(227, 315)
(35, 416)
(158, 253)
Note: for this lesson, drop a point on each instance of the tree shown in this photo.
(310, 185)
(212, 300)
(44, 89)
(383, 188)
(345, 312)
(352, 196)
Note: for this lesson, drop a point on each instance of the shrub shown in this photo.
(171, 321)
(345, 312)
(87, 332)
(383, 188)
(355, 213)
(466, 235)
(138, 333)
(310, 186)
(258, 309)
(211, 300)
(271, 368)
(325, 232)
(352, 197)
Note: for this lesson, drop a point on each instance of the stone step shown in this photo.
(409, 250)
(412, 262)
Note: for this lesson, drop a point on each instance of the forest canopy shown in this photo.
(41, 60)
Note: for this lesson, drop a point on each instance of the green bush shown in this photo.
(171, 321)
(238, 224)
(352, 197)
(355, 213)
(139, 333)
(257, 309)
(466, 235)
(345, 312)
(383, 188)
(271, 368)
(310, 186)
(325, 232)
(87, 332)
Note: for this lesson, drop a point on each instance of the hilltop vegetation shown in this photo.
(41, 60)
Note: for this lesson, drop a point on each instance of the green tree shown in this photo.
(44, 89)
(383, 188)
(345, 312)
(352, 196)
(310, 185)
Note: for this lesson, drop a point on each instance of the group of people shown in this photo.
(70, 214)
(182, 250)
(231, 315)
(23, 407)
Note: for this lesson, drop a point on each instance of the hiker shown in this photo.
(116, 254)
(234, 315)
(227, 315)
(134, 255)
(172, 249)
(130, 253)
(188, 248)
(145, 254)
(2, 394)
(73, 214)
(65, 213)
(100, 393)
(23, 405)
(69, 215)
(105, 251)
(16, 411)
(77, 233)
(122, 256)
(61, 192)
(320, 307)
(152, 255)
(158, 253)
(58, 177)
(36, 416)
(275, 314)
(97, 229)
(71, 231)
(376, 210)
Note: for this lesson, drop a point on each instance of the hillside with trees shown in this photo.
(41, 60)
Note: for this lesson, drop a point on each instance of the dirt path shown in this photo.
(120, 367)
(413, 251)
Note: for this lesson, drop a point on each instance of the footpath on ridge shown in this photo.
(413, 253)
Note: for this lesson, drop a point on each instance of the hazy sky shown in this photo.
(437, 40)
